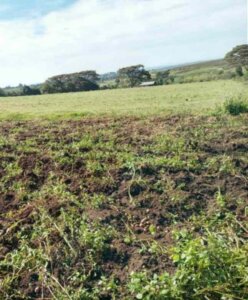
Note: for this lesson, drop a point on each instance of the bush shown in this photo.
(245, 76)
(236, 106)
(213, 266)
(2, 93)
(239, 71)
(229, 75)
(28, 91)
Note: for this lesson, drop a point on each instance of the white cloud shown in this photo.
(108, 34)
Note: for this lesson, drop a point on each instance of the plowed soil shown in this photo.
(140, 178)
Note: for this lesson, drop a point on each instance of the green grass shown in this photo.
(193, 98)
(201, 72)
(205, 71)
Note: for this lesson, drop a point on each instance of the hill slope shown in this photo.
(199, 72)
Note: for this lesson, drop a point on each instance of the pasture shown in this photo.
(191, 98)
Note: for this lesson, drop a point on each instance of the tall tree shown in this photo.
(75, 82)
(132, 76)
(238, 56)
(90, 75)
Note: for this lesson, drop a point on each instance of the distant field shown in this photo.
(193, 98)
(200, 72)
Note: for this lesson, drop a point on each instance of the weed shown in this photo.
(144, 287)
(236, 106)
(221, 164)
(220, 199)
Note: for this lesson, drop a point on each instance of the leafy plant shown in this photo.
(144, 287)
(211, 267)
(236, 106)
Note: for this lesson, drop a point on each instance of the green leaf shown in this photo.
(139, 296)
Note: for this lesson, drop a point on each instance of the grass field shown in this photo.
(201, 72)
(122, 195)
(193, 98)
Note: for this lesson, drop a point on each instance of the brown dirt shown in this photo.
(151, 206)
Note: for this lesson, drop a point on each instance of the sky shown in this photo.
(42, 38)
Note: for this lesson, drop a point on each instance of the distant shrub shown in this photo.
(2, 93)
(108, 87)
(163, 77)
(179, 79)
(239, 71)
(236, 106)
(13, 93)
(104, 87)
(245, 76)
(28, 91)
(229, 75)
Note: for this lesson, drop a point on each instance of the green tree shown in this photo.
(164, 77)
(27, 91)
(2, 93)
(90, 75)
(238, 56)
(75, 82)
(132, 76)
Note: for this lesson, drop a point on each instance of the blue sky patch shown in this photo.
(12, 9)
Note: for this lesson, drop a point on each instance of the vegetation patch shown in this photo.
(124, 208)
(236, 106)
(192, 98)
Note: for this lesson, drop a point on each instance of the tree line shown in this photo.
(126, 77)
(131, 76)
